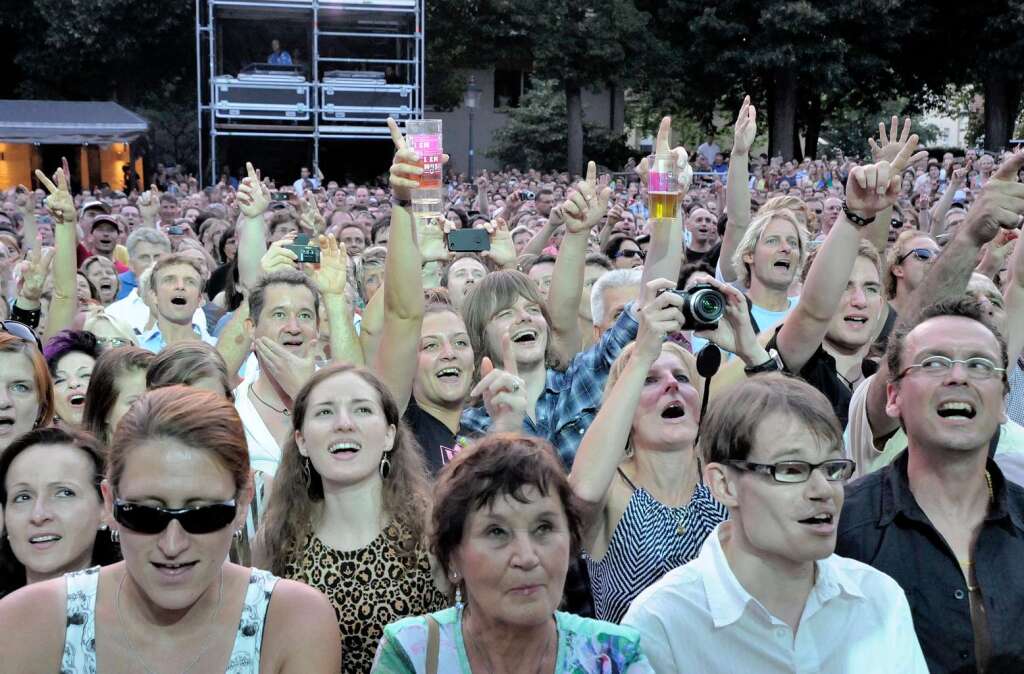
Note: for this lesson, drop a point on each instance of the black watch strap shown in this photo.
(857, 220)
(770, 365)
(404, 203)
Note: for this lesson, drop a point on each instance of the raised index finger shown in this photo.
(591, 173)
(508, 358)
(396, 135)
(50, 187)
(251, 172)
(664, 135)
(1010, 166)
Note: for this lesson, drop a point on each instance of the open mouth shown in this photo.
(174, 569)
(525, 337)
(673, 411)
(106, 285)
(6, 423)
(856, 320)
(76, 400)
(347, 447)
(819, 519)
(449, 374)
(293, 342)
(782, 264)
(179, 301)
(47, 538)
(956, 410)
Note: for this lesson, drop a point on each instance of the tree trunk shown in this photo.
(574, 118)
(1002, 100)
(813, 126)
(782, 100)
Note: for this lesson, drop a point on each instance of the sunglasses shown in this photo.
(630, 253)
(195, 520)
(22, 332)
(922, 254)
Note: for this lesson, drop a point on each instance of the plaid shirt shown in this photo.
(571, 399)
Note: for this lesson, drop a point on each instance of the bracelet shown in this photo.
(855, 219)
(770, 365)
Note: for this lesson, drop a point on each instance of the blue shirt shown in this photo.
(155, 342)
(570, 399)
(281, 58)
(128, 284)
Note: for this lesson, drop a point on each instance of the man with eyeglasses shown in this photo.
(767, 594)
(941, 519)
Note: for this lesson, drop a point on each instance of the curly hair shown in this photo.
(294, 506)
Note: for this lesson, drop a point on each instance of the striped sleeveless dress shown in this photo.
(650, 540)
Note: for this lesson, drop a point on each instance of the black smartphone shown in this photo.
(278, 196)
(468, 241)
(303, 251)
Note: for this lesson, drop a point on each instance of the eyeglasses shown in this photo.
(631, 253)
(896, 222)
(112, 342)
(153, 520)
(835, 470)
(922, 254)
(22, 332)
(939, 366)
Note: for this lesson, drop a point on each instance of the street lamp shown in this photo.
(471, 100)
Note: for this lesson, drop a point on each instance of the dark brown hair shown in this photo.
(198, 418)
(502, 464)
(293, 506)
(732, 426)
(103, 389)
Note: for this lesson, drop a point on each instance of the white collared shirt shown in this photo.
(699, 618)
(264, 450)
(133, 310)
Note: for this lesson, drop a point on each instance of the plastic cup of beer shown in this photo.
(663, 193)
(424, 138)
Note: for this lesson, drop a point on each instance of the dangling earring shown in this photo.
(458, 592)
(305, 472)
(237, 535)
(115, 535)
(385, 466)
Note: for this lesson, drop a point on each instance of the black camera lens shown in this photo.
(704, 306)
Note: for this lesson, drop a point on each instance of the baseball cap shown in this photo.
(106, 220)
(95, 203)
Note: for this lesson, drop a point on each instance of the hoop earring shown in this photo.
(385, 466)
(237, 535)
(115, 535)
(305, 472)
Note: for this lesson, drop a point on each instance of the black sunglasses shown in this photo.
(922, 254)
(630, 253)
(21, 331)
(195, 520)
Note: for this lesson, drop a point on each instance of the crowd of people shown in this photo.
(286, 428)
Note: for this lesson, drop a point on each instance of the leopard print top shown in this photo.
(369, 588)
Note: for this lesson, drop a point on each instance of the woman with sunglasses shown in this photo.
(26, 389)
(52, 507)
(176, 489)
(624, 252)
(348, 509)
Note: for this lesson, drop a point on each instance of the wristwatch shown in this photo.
(773, 364)
(855, 219)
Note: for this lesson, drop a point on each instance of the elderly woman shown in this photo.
(52, 507)
(504, 526)
(176, 489)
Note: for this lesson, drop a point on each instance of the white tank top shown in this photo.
(80, 638)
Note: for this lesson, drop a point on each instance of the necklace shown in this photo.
(135, 652)
(284, 410)
(490, 666)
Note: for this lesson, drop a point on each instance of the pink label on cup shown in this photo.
(428, 147)
(659, 181)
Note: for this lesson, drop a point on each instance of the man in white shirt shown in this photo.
(767, 594)
(175, 290)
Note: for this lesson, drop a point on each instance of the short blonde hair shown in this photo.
(893, 256)
(753, 234)
(121, 328)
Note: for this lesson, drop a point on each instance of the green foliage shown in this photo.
(535, 135)
(848, 129)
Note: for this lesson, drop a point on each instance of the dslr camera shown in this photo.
(703, 306)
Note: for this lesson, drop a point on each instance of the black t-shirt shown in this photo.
(710, 256)
(820, 372)
(438, 444)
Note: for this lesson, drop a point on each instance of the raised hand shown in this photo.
(149, 204)
(60, 203)
(332, 274)
(310, 218)
(24, 201)
(503, 392)
(660, 316)
(585, 207)
(503, 250)
(683, 169)
(1001, 202)
(405, 172)
(36, 269)
(278, 257)
(746, 128)
(875, 187)
(734, 333)
(430, 233)
(253, 196)
(889, 146)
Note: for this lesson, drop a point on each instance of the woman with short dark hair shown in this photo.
(71, 356)
(505, 523)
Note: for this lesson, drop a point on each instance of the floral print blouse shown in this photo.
(585, 646)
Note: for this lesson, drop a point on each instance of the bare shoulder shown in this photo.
(301, 632)
(32, 625)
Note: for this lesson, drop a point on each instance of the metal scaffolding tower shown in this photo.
(365, 63)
